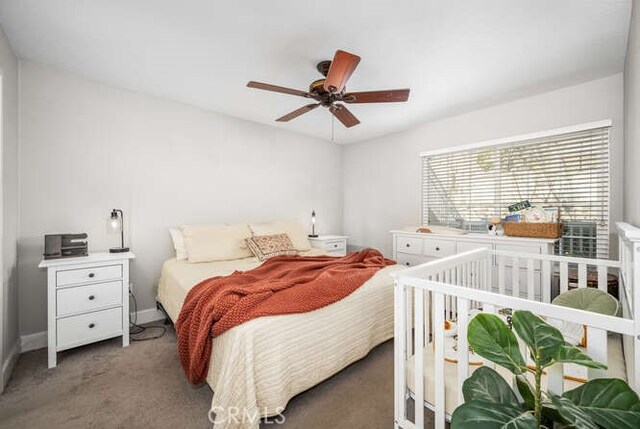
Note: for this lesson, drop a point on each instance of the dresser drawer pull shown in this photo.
(92, 325)
(92, 275)
(407, 264)
(437, 249)
(335, 245)
(92, 297)
(408, 245)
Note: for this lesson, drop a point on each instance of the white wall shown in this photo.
(382, 177)
(632, 121)
(87, 148)
(9, 213)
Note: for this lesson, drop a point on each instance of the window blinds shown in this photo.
(570, 171)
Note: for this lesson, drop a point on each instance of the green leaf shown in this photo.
(490, 338)
(589, 299)
(543, 340)
(483, 415)
(486, 385)
(572, 354)
(572, 414)
(525, 391)
(609, 402)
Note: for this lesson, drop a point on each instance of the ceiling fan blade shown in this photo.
(281, 89)
(387, 96)
(344, 115)
(297, 112)
(340, 71)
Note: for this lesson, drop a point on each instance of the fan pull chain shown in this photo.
(333, 123)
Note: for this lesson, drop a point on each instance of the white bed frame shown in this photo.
(428, 294)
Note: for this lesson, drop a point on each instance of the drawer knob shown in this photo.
(408, 245)
(92, 275)
(407, 264)
(335, 245)
(437, 249)
(92, 325)
(92, 297)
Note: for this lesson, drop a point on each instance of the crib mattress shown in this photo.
(616, 369)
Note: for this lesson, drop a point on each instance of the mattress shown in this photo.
(257, 367)
(616, 369)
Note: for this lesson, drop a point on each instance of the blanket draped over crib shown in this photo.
(282, 285)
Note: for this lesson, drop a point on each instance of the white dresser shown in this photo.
(332, 244)
(88, 300)
(412, 248)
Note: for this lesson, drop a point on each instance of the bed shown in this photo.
(259, 366)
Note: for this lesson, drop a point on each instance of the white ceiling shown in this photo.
(454, 55)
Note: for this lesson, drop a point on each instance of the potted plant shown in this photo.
(491, 403)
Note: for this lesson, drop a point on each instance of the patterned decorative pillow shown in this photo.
(268, 246)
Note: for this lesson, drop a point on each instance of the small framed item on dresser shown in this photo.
(88, 300)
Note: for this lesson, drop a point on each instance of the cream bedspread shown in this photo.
(259, 366)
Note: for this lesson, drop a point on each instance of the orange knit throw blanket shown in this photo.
(281, 285)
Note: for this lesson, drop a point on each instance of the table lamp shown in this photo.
(116, 224)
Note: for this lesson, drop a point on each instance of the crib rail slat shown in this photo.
(582, 275)
(602, 278)
(515, 276)
(530, 283)
(400, 351)
(438, 362)
(419, 356)
(555, 379)
(501, 274)
(597, 350)
(564, 277)
(463, 345)
(546, 281)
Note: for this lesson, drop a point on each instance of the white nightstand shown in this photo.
(332, 244)
(88, 300)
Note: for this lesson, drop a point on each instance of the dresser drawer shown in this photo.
(438, 248)
(409, 245)
(92, 297)
(409, 260)
(86, 275)
(85, 328)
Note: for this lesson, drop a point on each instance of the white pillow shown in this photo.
(293, 229)
(206, 243)
(178, 244)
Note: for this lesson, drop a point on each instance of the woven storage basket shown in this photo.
(537, 230)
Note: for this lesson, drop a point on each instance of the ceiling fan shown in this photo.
(331, 91)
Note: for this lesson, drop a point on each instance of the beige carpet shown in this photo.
(106, 386)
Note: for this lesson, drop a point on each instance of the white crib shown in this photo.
(447, 289)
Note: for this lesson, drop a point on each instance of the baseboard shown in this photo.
(39, 339)
(33, 341)
(8, 365)
(149, 315)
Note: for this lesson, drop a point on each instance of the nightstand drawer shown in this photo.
(409, 245)
(86, 275)
(335, 246)
(85, 328)
(92, 297)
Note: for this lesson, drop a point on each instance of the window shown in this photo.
(568, 168)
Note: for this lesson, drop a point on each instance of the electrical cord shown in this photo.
(135, 329)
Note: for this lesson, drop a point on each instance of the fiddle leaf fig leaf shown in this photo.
(490, 338)
(609, 402)
(572, 414)
(543, 340)
(525, 391)
(486, 385)
(483, 415)
(572, 354)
